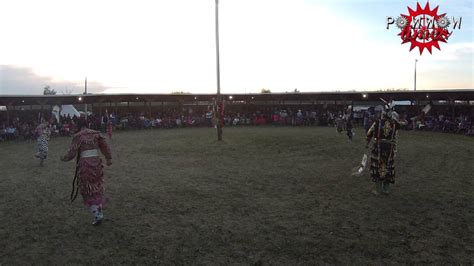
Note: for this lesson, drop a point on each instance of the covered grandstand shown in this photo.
(151, 103)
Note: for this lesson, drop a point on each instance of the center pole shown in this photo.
(416, 60)
(218, 97)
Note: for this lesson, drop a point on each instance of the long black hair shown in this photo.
(80, 123)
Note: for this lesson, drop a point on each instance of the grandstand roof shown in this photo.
(460, 95)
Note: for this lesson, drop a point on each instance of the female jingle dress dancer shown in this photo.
(89, 177)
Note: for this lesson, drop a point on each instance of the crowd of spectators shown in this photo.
(23, 127)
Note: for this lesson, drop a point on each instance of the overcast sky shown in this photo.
(162, 46)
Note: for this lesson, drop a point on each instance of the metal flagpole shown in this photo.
(416, 60)
(218, 97)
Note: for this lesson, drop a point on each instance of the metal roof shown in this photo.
(18, 100)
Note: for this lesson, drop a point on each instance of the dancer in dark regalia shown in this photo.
(384, 132)
(348, 117)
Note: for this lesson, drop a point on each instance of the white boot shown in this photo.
(96, 211)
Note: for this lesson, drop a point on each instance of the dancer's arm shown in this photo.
(105, 149)
(370, 133)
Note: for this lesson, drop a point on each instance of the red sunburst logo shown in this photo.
(423, 28)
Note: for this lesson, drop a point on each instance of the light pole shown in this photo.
(218, 97)
(416, 60)
(85, 94)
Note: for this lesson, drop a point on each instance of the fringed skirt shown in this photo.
(42, 143)
(382, 162)
(91, 181)
(109, 130)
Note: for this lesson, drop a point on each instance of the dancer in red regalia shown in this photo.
(89, 177)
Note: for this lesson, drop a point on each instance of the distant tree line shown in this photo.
(48, 91)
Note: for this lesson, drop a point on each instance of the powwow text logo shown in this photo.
(424, 28)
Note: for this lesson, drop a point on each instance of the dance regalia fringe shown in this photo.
(90, 175)
(42, 142)
(383, 152)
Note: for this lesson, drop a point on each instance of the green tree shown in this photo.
(265, 91)
(48, 91)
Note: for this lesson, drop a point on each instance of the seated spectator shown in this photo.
(275, 118)
(470, 132)
(3, 134)
(236, 121)
(11, 133)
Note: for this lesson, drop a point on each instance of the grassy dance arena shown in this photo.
(263, 196)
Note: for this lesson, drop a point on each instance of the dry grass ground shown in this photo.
(264, 195)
